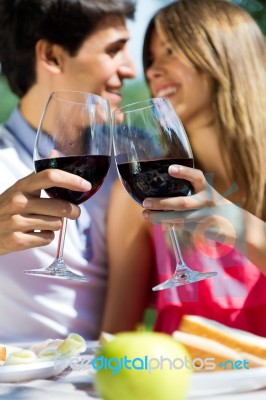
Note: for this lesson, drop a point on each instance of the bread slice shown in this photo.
(238, 340)
(215, 347)
(209, 355)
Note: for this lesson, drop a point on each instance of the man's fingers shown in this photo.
(36, 239)
(21, 205)
(52, 207)
(54, 177)
(30, 223)
(21, 241)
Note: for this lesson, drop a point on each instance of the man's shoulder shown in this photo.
(6, 138)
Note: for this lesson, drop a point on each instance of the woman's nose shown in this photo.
(154, 70)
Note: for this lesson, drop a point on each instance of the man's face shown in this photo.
(102, 62)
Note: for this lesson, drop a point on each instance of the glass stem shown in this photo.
(61, 240)
(180, 264)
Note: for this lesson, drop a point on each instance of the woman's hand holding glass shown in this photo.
(148, 138)
(204, 213)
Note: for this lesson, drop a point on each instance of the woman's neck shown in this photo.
(206, 148)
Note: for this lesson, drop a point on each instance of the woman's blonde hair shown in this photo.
(222, 39)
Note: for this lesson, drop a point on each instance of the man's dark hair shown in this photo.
(64, 22)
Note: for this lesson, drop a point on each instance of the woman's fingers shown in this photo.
(205, 213)
(176, 217)
(179, 203)
(195, 176)
(204, 195)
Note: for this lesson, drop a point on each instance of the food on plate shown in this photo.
(22, 356)
(230, 348)
(48, 344)
(50, 354)
(72, 345)
(105, 337)
(47, 350)
(6, 352)
(2, 353)
(140, 365)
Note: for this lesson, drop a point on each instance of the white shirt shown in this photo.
(35, 308)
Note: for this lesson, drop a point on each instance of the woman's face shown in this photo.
(170, 76)
(102, 62)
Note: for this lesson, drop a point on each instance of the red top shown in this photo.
(235, 297)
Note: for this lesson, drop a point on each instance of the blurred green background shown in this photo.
(134, 90)
(7, 99)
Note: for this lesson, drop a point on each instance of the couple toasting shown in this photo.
(82, 45)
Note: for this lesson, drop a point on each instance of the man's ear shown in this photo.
(50, 55)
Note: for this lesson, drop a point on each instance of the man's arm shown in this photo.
(26, 220)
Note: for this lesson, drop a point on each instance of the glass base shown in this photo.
(57, 270)
(184, 277)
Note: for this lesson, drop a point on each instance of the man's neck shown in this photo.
(32, 106)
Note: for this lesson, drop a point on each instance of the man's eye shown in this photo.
(113, 51)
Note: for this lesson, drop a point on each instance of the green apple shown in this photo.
(142, 366)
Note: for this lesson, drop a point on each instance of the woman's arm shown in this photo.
(222, 218)
(256, 241)
(23, 212)
(131, 263)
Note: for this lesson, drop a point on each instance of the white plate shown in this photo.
(216, 383)
(34, 370)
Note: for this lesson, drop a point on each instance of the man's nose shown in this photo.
(127, 68)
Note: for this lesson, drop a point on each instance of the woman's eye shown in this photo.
(169, 51)
(150, 61)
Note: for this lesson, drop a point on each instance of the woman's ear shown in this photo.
(50, 55)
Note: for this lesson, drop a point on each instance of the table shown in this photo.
(74, 384)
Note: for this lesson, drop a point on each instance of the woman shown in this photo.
(209, 58)
(46, 46)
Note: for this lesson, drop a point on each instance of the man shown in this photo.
(47, 46)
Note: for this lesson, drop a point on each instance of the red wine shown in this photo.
(93, 168)
(151, 179)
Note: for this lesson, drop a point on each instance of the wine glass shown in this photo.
(148, 137)
(74, 135)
